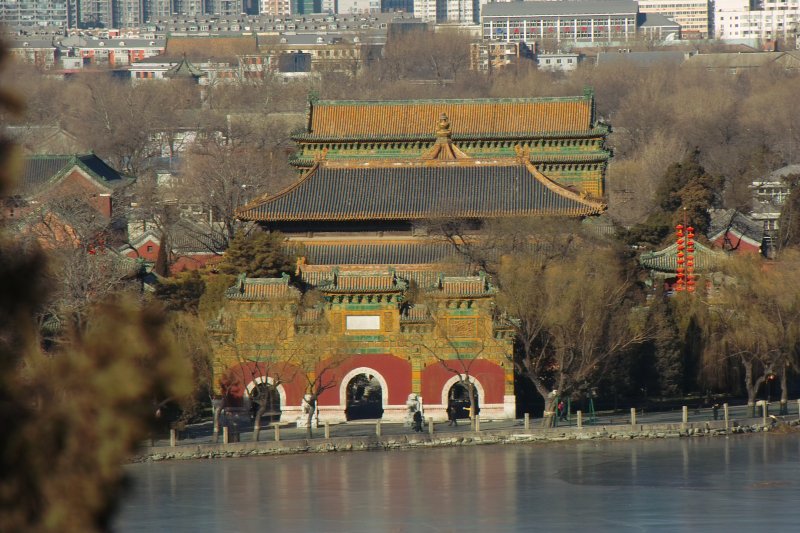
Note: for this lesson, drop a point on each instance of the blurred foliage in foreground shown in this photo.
(71, 415)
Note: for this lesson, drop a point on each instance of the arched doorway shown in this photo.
(364, 398)
(266, 400)
(458, 398)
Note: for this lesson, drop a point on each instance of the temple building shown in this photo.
(396, 323)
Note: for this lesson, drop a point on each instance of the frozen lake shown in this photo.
(737, 483)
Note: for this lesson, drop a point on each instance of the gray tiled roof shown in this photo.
(656, 20)
(383, 253)
(783, 172)
(571, 7)
(730, 219)
(399, 192)
(40, 169)
(641, 59)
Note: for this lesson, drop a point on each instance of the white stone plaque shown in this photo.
(360, 322)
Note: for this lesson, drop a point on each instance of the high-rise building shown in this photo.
(275, 8)
(768, 19)
(95, 14)
(157, 9)
(442, 11)
(224, 8)
(128, 13)
(32, 13)
(692, 15)
(306, 7)
(389, 6)
(189, 8)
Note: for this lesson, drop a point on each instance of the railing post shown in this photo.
(173, 437)
(580, 419)
(726, 416)
(633, 416)
(277, 431)
(477, 424)
(327, 430)
(225, 435)
(430, 425)
(527, 421)
(378, 428)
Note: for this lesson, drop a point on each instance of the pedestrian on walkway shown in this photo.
(451, 415)
(417, 421)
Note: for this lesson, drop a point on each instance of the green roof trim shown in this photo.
(597, 131)
(666, 260)
(584, 96)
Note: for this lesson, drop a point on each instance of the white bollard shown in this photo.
(580, 419)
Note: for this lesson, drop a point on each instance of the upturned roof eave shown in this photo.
(321, 217)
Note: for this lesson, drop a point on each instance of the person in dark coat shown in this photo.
(451, 415)
(417, 421)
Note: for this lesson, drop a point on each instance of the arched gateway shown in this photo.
(363, 393)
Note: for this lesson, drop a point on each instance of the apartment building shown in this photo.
(579, 21)
(34, 13)
(774, 19)
(448, 11)
(275, 8)
(692, 15)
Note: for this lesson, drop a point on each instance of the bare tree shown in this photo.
(566, 295)
(753, 319)
(455, 343)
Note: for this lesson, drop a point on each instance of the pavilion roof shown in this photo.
(184, 69)
(379, 281)
(666, 260)
(420, 190)
(406, 119)
(254, 289)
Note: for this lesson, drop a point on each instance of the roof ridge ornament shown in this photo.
(522, 154)
(443, 127)
(443, 148)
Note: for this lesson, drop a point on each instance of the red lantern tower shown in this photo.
(680, 283)
(690, 277)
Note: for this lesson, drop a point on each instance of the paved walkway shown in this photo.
(202, 433)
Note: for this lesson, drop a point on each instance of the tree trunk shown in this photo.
(262, 408)
(784, 408)
(312, 409)
(471, 391)
(751, 390)
(550, 405)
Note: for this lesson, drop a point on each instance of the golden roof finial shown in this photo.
(443, 126)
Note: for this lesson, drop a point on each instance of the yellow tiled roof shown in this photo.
(405, 118)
